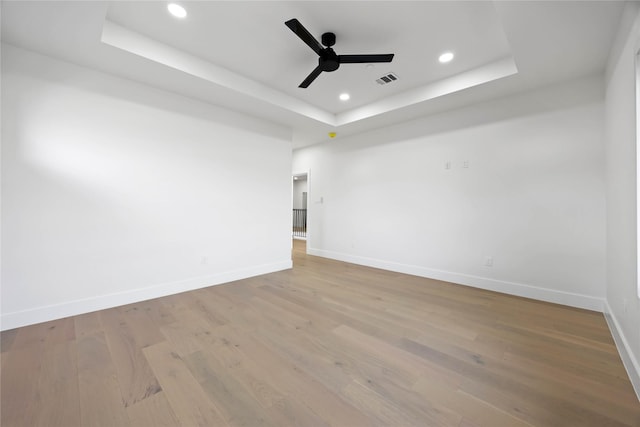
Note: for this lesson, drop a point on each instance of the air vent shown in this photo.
(387, 78)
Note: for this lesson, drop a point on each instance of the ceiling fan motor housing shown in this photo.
(328, 60)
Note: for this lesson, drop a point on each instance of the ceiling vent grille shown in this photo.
(387, 78)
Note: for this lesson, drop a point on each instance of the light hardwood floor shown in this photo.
(324, 344)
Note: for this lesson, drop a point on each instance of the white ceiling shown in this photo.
(240, 55)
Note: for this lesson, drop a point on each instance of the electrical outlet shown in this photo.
(488, 261)
(204, 260)
(625, 305)
(447, 164)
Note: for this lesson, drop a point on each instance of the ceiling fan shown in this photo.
(328, 60)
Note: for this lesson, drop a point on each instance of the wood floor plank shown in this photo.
(616, 391)
(19, 384)
(58, 381)
(87, 324)
(349, 363)
(372, 345)
(469, 407)
(200, 305)
(299, 382)
(310, 313)
(186, 397)
(100, 396)
(383, 411)
(269, 391)
(157, 310)
(6, 339)
(535, 406)
(465, 422)
(188, 335)
(39, 368)
(136, 379)
(318, 351)
(153, 411)
(239, 406)
(144, 330)
(575, 357)
(45, 334)
(547, 376)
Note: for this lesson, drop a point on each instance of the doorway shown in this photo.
(299, 215)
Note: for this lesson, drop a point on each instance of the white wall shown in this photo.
(113, 192)
(532, 197)
(623, 308)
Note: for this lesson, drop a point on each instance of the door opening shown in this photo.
(300, 219)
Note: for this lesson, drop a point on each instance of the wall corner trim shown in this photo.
(629, 360)
(17, 319)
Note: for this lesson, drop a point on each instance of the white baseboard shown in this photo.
(522, 290)
(57, 311)
(629, 360)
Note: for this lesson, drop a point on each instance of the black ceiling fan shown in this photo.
(328, 60)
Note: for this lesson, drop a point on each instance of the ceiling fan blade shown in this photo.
(304, 35)
(311, 77)
(360, 59)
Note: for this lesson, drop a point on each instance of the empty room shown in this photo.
(320, 213)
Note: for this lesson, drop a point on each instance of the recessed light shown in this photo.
(344, 97)
(176, 10)
(446, 57)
